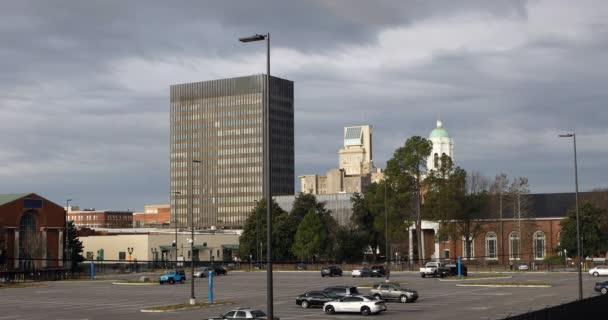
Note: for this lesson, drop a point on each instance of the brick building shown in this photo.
(153, 216)
(527, 235)
(31, 232)
(101, 219)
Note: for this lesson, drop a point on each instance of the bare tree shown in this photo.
(34, 247)
(498, 188)
(521, 204)
(477, 183)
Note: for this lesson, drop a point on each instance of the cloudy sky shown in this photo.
(84, 85)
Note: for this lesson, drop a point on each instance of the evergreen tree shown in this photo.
(74, 246)
(311, 236)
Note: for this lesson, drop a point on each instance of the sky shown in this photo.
(84, 85)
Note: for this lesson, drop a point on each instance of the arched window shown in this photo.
(436, 160)
(468, 251)
(539, 245)
(491, 246)
(514, 246)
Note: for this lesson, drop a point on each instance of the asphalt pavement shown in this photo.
(438, 299)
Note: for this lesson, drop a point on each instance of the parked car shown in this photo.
(365, 305)
(434, 269)
(342, 291)
(172, 277)
(315, 298)
(523, 267)
(203, 272)
(379, 271)
(219, 271)
(601, 287)
(243, 313)
(393, 291)
(454, 269)
(599, 271)
(331, 271)
(361, 272)
(301, 266)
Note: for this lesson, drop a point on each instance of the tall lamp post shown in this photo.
(386, 233)
(65, 236)
(578, 229)
(175, 193)
(267, 175)
(192, 298)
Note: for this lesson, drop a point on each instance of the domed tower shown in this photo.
(442, 144)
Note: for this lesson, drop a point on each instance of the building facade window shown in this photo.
(491, 246)
(514, 246)
(539, 245)
(122, 255)
(468, 251)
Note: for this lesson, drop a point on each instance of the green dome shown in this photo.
(439, 132)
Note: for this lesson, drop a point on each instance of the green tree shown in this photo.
(593, 223)
(311, 236)
(254, 233)
(363, 220)
(351, 244)
(404, 173)
(302, 205)
(74, 246)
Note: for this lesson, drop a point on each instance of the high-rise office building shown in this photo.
(220, 123)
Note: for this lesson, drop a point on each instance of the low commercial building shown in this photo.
(157, 245)
(91, 218)
(153, 216)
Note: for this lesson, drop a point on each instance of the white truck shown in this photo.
(434, 269)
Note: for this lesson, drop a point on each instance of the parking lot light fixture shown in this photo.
(578, 230)
(192, 298)
(267, 174)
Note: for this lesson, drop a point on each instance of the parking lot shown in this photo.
(438, 299)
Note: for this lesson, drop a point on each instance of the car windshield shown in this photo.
(257, 313)
(331, 294)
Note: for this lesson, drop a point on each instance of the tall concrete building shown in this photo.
(220, 123)
(356, 170)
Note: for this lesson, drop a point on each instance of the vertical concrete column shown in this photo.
(60, 253)
(437, 254)
(45, 246)
(411, 245)
(16, 255)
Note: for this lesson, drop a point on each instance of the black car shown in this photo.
(379, 271)
(342, 291)
(454, 269)
(315, 298)
(219, 271)
(601, 287)
(331, 271)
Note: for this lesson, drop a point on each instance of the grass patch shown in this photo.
(182, 306)
(476, 277)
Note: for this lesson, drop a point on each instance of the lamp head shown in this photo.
(257, 37)
(567, 135)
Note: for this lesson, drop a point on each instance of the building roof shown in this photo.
(439, 132)
(10, 197)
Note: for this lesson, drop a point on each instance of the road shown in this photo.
(438, 299)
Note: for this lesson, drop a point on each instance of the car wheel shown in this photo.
(322, 276)
(595, 274)
(171, 281)
(181, 281)
(160, 282)
(330, 309)
(365, 311)
(604, 290)
(423, 275)
(377, 296)
(403, 299)
(305, 304)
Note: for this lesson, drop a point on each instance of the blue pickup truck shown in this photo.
(172, 277)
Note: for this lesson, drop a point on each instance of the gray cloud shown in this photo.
(84, 85)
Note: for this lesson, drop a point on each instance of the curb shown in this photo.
(135, 284)
(188, 308)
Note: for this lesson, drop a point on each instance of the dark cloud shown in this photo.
(84, 85)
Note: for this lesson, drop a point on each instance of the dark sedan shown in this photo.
(454, 269)
(379, 271)
(331, 271)
(315, 299)
(601, 287)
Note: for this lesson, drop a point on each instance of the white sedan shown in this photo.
(365, 305)
(599, 271)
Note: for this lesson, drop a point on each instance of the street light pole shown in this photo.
(192, 298)
(175, 193)
(386, 233)
(578, 229)
(267, 174)
(65, 231)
